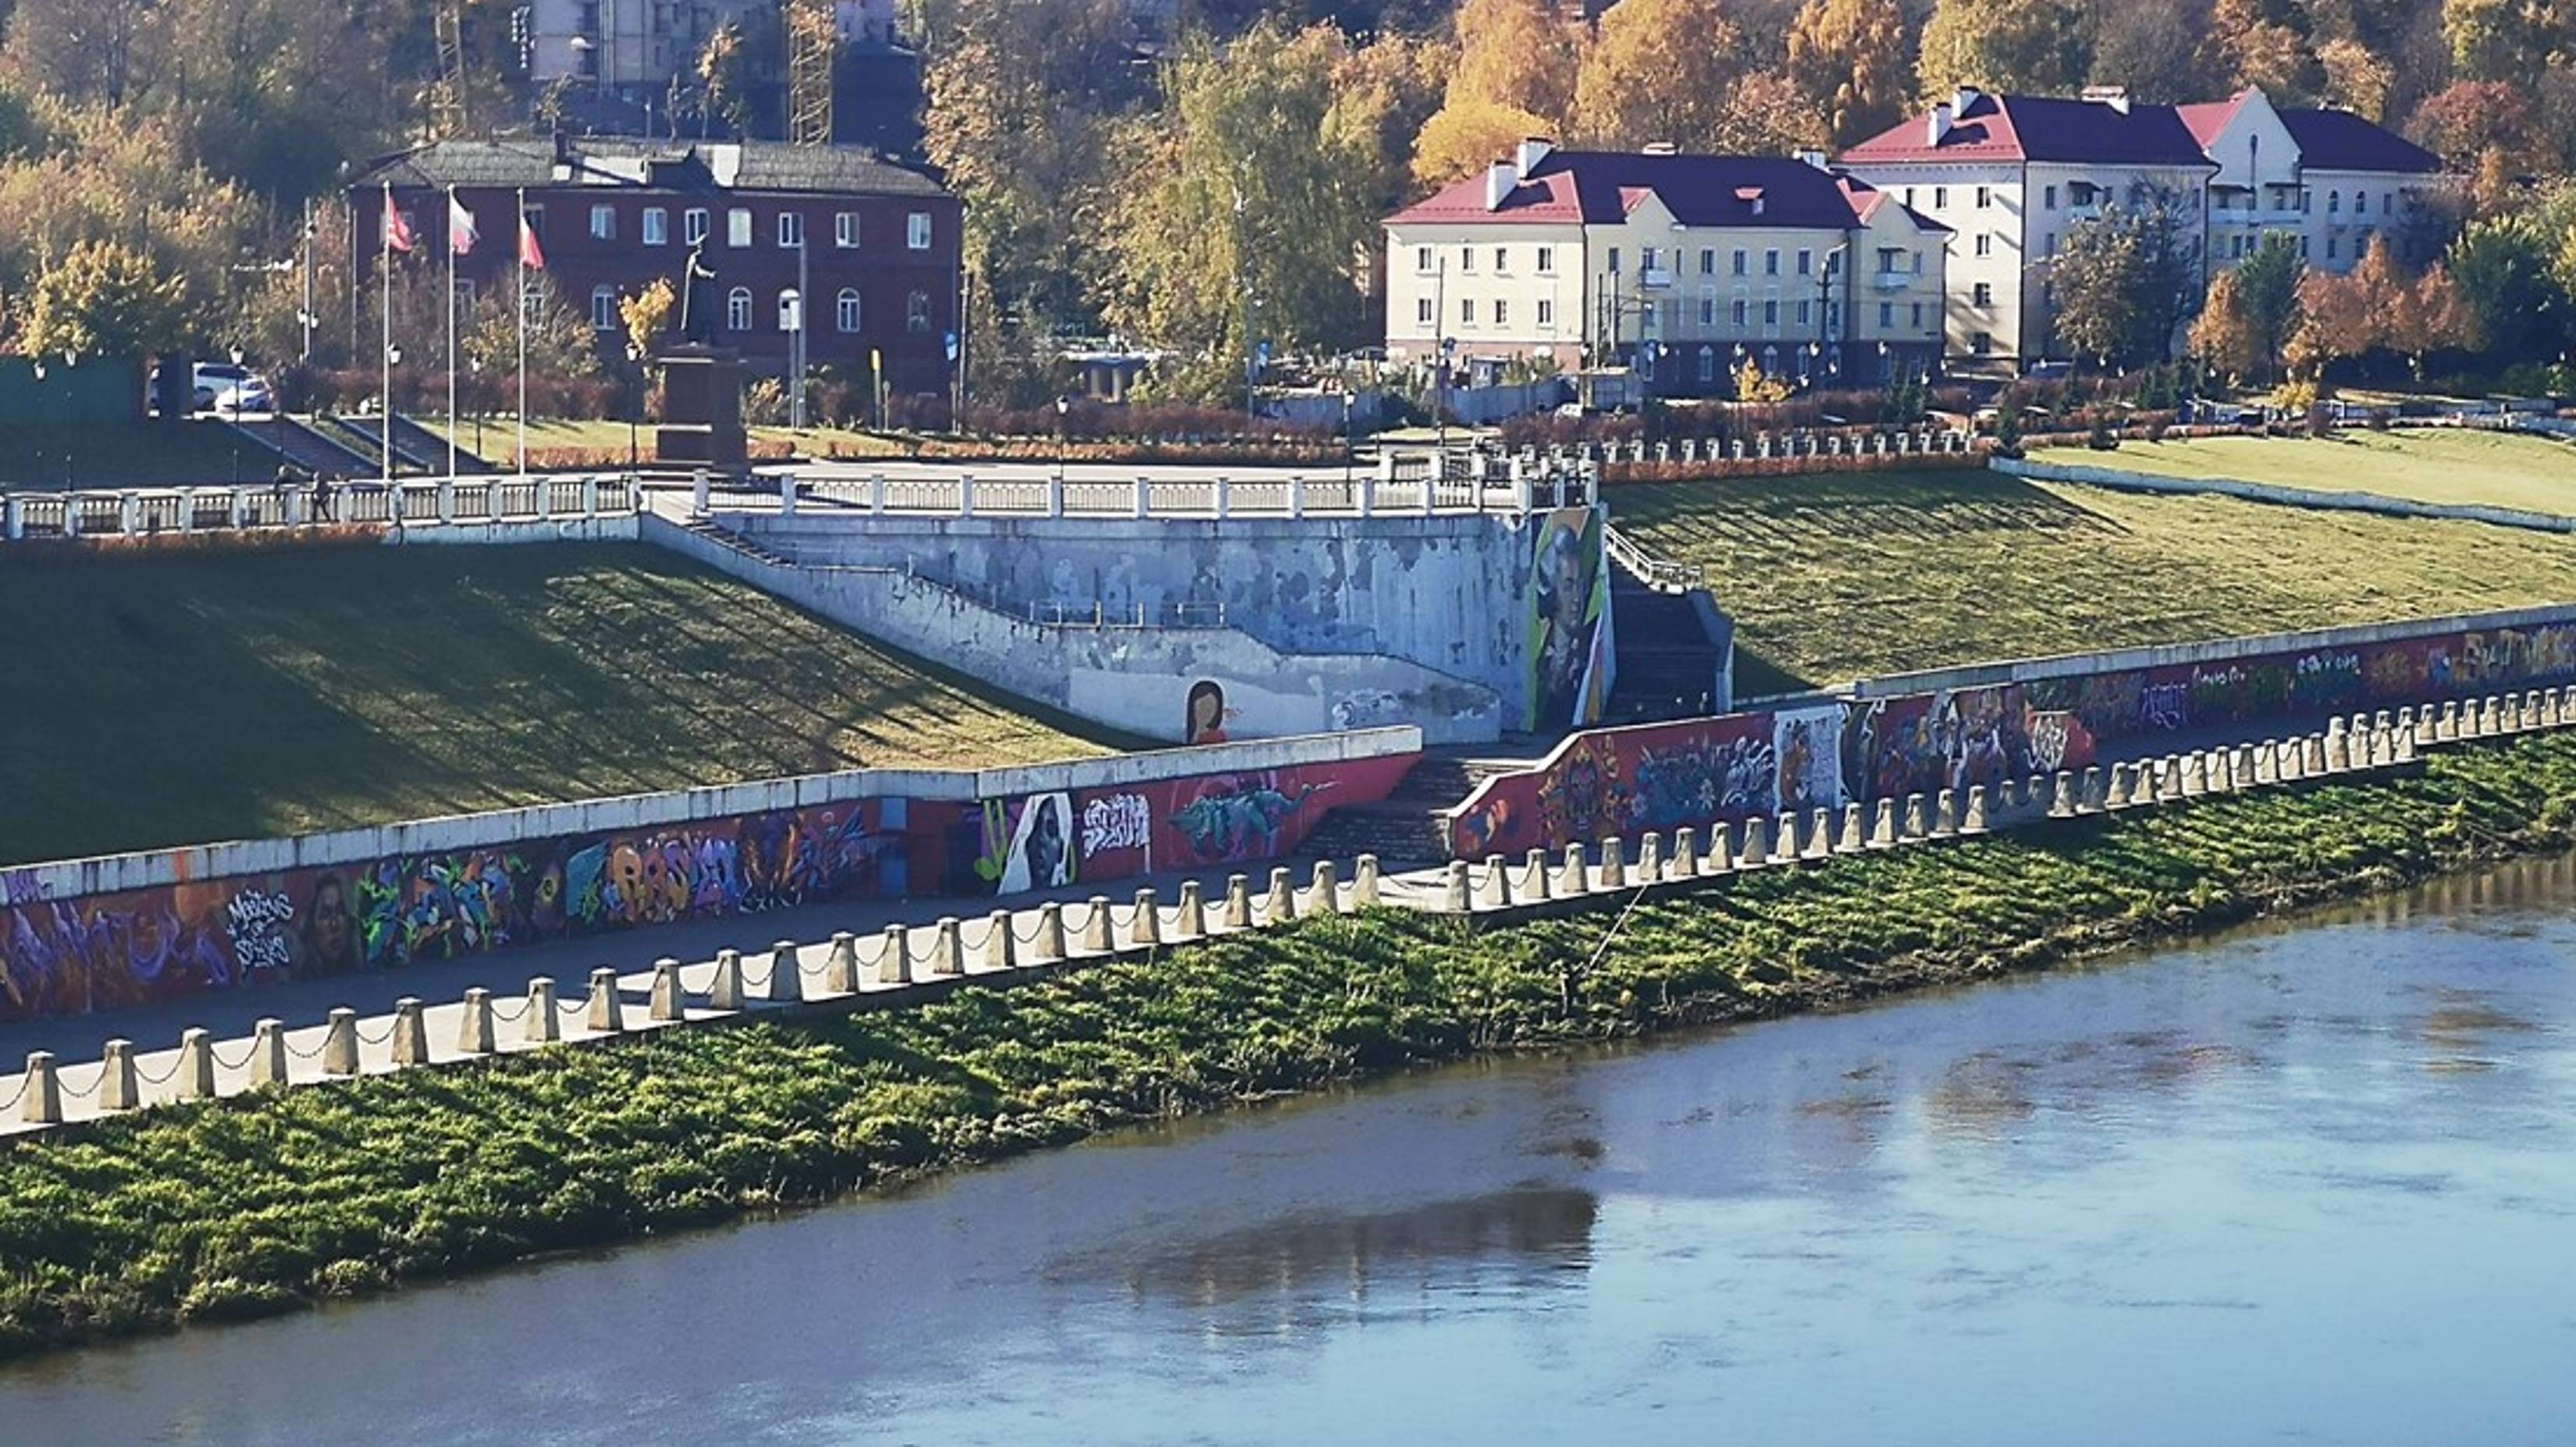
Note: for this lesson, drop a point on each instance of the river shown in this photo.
(2312, 1182)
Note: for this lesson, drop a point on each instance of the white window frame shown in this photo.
(603, 222)
(738, 227)
(845, 229)
(693, 226)
(791, 229)
(655, 227)
(847, 311)
(603, 307)
(916, 231)
(738, 309)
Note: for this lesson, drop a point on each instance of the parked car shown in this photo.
(213, 379)
(249, 397)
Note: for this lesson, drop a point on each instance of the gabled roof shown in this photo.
(1602, 187)
(628, 161)
(1867, 201)
(2342, 141)
(2207, 120)
(2041, 128)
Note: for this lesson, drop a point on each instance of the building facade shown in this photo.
(2011, 175)
(877, 244)
(1682, 267)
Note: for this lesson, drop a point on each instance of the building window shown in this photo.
(1467, 311)
(845, 228)
(916, 310)
(2331, 244)
(1422, 260)
(845, 310)
(738, 226)
(1708, 261)
(1771, 313)
(1806, 262)
(791, 228)
(1918, 316)
(1707, 310)
(656, 228)
(1940, 198)
(2049, 198)
(1708, 364)
(1502, 259)
(1771, 263)
(603, 308)
(1916, 264)
(1887, 314)
(1738, 313)
(603, 223)
(1614, 261)
(916, 231)
(1739, 261)
(693, 225)
(1982, 343)
(2048, 244)
(738, 309)
(1983, 294)
(1806, 313)
(1502, 312)
(1648, 258)
(1466, 258)
(1547, 261)
(1422, 311)
(1546, 314)
(2334, 202)
(1985, 244)
(1985, 198)
(2360, 202)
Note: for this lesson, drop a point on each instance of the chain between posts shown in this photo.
(218, 1057)
(164, 1078)
(15, 1095)
(366, 1039)
(511, 1017)
(313, 1054)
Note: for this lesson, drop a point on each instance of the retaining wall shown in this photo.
(1957, 728)
(103, 933)
(2126, 481)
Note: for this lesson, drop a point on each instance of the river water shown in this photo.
(2311, 1183)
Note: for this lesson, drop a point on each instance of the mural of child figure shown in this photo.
(1207, 713)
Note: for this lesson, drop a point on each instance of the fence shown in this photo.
(1512, 488)
(160, 512)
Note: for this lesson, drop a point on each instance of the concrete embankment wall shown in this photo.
(95, 934)
(2126, 481)
(1886, 738)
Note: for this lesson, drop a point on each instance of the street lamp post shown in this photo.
(474, 366)
(1063, 409)
(1350, 444)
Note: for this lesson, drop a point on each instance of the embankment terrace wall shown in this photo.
(1956, 728)
(120, 930)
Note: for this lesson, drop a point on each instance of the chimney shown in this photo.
(1500, 179)
(1534, 149)
(1814, 158)
(2114, 96)
(1965, 97)
(1939, 127)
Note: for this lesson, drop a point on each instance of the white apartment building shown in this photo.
(1680, 266)
(2010, 175)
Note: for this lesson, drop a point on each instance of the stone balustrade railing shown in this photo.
(156, 512)
(1507, 487)
(1765, 445)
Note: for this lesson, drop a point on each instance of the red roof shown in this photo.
(2207, 119)
(2041, 128)
(1600, 187)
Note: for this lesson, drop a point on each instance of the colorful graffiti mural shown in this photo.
(1569, 620)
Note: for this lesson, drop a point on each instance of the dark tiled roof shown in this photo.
(616, 161)
(2042, 128)
(2342, 141)
(1571, 187)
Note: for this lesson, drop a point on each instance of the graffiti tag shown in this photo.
(255, 922)
(1119, 821)
(2164, 705)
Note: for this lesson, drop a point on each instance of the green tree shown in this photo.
(561, 341)
(2267, 289)
(2000, 45)
(1247, 203)
(2123, 285)
(1853, 62)
(2503, 268)
(104, 298)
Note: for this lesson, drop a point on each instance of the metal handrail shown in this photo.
(1661, 574)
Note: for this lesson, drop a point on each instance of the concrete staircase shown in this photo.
(308, 451)
(1406, 827)
(1669, 666)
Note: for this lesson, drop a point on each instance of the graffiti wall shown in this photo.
(1569, 642)
(105, 951)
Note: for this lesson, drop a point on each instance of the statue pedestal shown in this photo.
(701, 407)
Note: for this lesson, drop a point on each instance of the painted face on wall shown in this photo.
(330, 936)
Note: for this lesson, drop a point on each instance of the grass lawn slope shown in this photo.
(180, 698)
(2418, 464)
(265, 1203)
(1833, 577)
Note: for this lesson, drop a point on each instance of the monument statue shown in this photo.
(698, 298)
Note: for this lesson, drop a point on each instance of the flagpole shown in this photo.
(521, 240)
(451, 331)
(385, 355)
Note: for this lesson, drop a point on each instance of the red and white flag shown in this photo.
(461, 234)
(531, 255)
(397, 225)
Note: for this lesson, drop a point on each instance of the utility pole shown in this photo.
(796, 340)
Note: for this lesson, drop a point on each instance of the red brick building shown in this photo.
(613, 214)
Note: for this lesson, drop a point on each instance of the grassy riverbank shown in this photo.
(2416, 464)
(263, 1204)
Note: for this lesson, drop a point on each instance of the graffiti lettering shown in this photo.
(1117, 821)
(2164, 705)
(255, 924)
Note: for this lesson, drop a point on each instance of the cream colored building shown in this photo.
(1682, 266)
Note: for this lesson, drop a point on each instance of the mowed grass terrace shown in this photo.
(2449, 465)
(1839, 576)
(181, 698)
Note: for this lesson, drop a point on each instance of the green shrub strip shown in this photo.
(264, 1203)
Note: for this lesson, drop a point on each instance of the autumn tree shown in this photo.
(2000, 45)
(2261, 43)
(1852, 61)
(2429, 316)
(561, 341)
(2357, 78)
(1517, 53)
(2123, 285)
(645, 315)
(1638, 86)
(2221, 335)
(1463, 137)
(104, 298)
(2148, 47)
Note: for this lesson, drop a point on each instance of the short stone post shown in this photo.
(2195, 774)
(1720, 857)
(1189, 913)
(1365, 882)
(1974, 821)
(1280, 904)
(786, 496)
(40, 1098)
(2243, 777)
(411, 1032)
(197, 1063)
(2267, 765)
(1324, 890)
(2123, 787)
(2447, 730)
(2313, 755)
(2090, 800)
(701, 488)
(2338, 748)
(267, 1053)
(669, 1003)
(1918, 820)
(1001, 946)
(841, 964)
(542, 1025)
(607, 1013)
(1820, 835)
(1855, 835)
(1048, 947)
(1574, 876)
(1453, 888)
(474, 1031)
(2061, 795)
(1757, 844)
(117, 1086)
(1650, 858)
(947, 949)
(1145, 927)
(894, 956)
(1882, 825)
(1685, 860)
(1533, 885)
(1614, 864)
(2401, 749)
(1498, 883)
(786, 976)
(725, 991)
(1238, 896)
(1784, 845)
(1099, 927)
(1945, 814)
